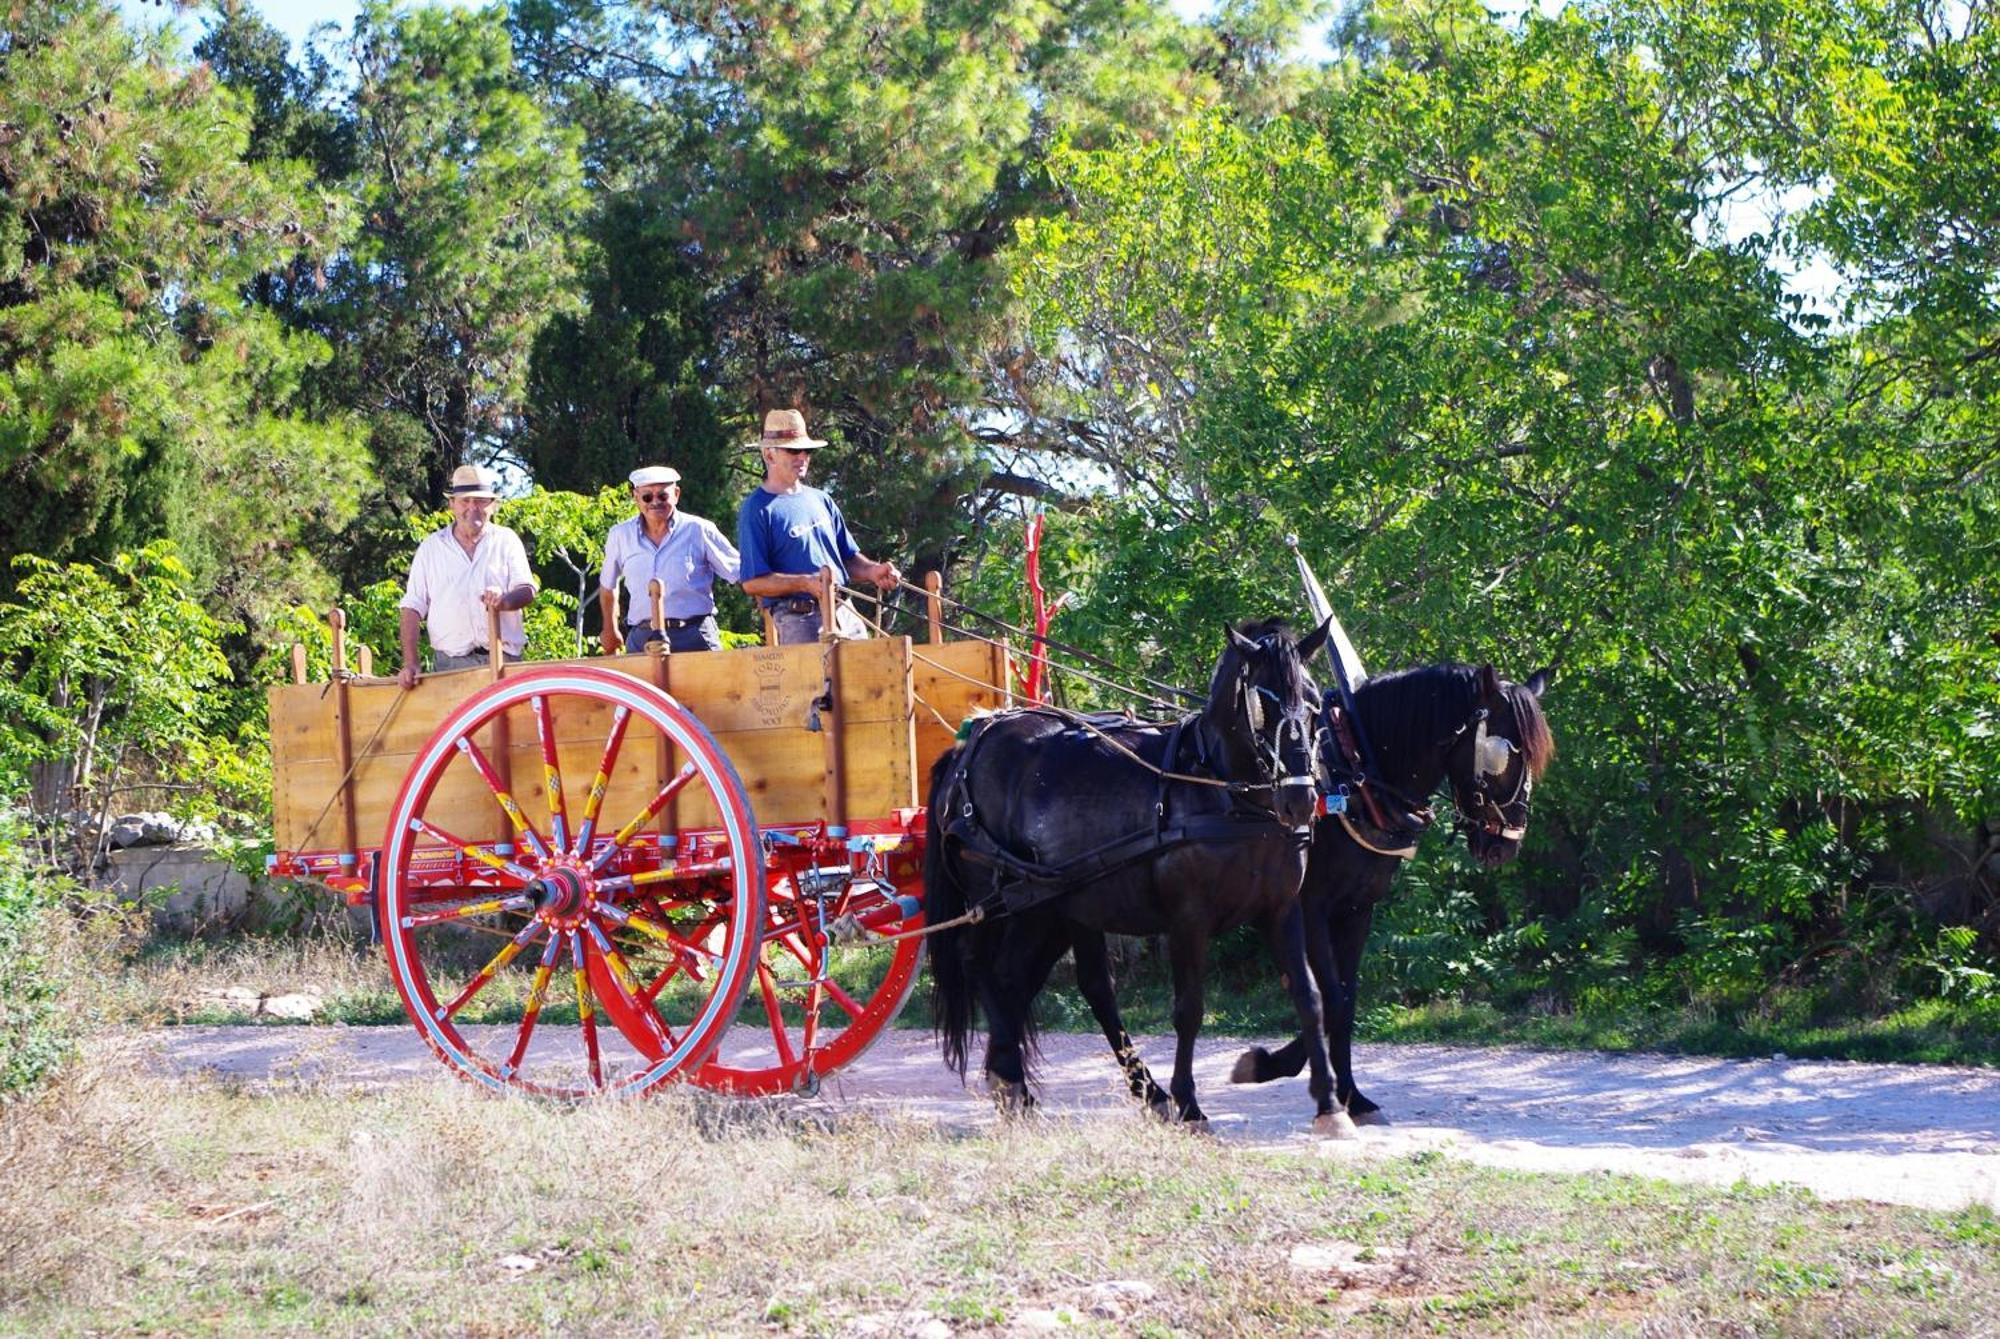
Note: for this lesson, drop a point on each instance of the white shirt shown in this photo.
(687, 561)
(445, 585)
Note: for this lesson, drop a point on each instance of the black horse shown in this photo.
(1048, 831)
(1490, 738)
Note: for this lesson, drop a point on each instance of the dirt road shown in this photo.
(1905, 1134)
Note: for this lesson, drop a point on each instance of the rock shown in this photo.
(1040, 1320)
(293, 1007)
(1354, 1264)
(145, 829)
(518, 1264)
(931, 1329)
(1117, 1298)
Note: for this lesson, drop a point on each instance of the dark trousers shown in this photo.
(700, 635)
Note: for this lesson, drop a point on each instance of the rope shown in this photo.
(1074, 718)
(970, 635)
(972, 917)
(1064, 647)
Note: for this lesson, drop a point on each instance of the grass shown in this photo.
(142, 1205)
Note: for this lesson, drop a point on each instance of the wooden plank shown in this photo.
(951, 681)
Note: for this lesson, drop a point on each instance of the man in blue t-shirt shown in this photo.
(787, 530)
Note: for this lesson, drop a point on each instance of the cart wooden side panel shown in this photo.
(951, 680)
(758, 702)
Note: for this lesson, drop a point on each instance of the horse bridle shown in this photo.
(1492, 757)
(1294, 726)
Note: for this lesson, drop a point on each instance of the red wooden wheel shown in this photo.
(508, 954)
(828, 979)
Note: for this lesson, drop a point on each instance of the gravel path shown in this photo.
(1904, 1134)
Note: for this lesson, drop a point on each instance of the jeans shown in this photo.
(795, 628)
(701, 636)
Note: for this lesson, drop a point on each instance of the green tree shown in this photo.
(143, 393)
(850, 176)
(111, 671)
(624, 383)
(469, 199)
(1473, 325)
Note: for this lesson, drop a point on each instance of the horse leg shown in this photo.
(1188, 953)
(1093, 981)
(1258, 1065)
(1350, 937)
(1022, 957)
(1286, 936)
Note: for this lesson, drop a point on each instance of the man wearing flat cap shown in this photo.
(461, 571)
(687, 554)
(788, 530)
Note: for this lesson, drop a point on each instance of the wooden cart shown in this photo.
(596, 876)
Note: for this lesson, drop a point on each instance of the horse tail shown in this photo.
(944, 900)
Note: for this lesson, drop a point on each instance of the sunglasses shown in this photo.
(663, 495)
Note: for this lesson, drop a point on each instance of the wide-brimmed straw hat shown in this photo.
(470, 481)
(787, 428)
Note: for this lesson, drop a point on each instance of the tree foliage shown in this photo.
(143, 393)
(1472, 325)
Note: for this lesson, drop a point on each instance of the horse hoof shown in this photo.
(1161, 1111)
(1199, 1127)
(1376, 1117)
(1334, 1125)
(1247, 1065)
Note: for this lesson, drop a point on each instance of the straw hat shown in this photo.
(787, 428)
(470, 481)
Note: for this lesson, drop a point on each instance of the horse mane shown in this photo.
(1407, 711)
(1283, 641)
(1538, 742)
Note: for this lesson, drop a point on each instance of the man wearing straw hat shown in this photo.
(686, 552)
(787, 530)
(461, 571)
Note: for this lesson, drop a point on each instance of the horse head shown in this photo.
(1494, 761)
(1260, 713)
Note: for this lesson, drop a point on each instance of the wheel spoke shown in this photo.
(467, 849)
(667, 792)
(491, 969)
(586, 1012)
(538, 993)
(767, 986)
(840, 997)
(657, 933)
(514, 902)
(507, 801)
(545, 732)
(595, 801)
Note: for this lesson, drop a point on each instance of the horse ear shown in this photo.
(1539, 681)
(1315, 639)
(1243, 644)
(1489, 684)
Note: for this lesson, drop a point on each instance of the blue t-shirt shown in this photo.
(792, 532)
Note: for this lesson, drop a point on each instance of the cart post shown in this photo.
(934, 605)
(343, 741)
(669, 821)
(502, 739)
(829, 640)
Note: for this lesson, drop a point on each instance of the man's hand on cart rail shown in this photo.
(885, 575)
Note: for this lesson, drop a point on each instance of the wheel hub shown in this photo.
(561, 895)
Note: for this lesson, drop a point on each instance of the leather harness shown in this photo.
(1021, 882)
